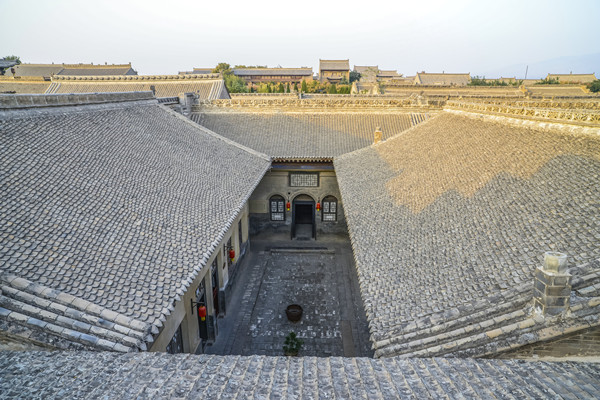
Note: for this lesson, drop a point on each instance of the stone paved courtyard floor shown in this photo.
(318, 275)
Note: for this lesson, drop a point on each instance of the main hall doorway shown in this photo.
(303, 218)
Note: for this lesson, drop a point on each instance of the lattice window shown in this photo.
(304, 179)
(329, 208)
(277, 208)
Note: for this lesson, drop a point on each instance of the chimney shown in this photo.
(377, 136)
(552, 285)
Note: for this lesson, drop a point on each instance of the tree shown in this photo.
(332, 89)
(296, 87)
(354, 76)
(287, 87)
(13, 58)
(304, 87)
(548, 81)
(280, 88)
(234, 83)
(269, 90)
(595, 86)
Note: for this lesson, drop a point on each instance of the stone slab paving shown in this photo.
(318, 275)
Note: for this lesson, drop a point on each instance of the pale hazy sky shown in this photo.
(164, 37)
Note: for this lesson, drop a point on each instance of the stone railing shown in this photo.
(137, 77)
(376, 104)
(584, 103)
(568, 116)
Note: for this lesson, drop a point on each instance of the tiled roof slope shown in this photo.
(334, 65)
(20, 87)
(97, 70)
(116, 205)
(424, 78)
(165, 376)
(306, 136)
(575, 78)
(272, 71)
(555, 90)
(449, 220)
(207, 87)
(36, 69)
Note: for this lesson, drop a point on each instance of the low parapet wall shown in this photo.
(585, 103)
(137, 77)
(12, 101)
(319, 104)
(565, 116)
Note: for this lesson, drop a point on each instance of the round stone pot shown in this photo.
(293, 312)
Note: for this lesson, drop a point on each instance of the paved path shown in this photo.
(319, 275)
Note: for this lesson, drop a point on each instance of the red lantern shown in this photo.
(318, 206)
(232, 254)
(202, 313)
(288, 206)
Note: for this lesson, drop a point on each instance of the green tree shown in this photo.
(13, 58)
(304, 87)
(332, 89)
(269, 90)
(287, 87)
(595, 86)
(354, 76)
(548, 81)
(234, 83)
(296, 87)
(280, 88)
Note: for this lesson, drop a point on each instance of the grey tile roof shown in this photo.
(162, 376)
(37, 69)
(207, 87)
(448, 216)
(7, 63)
(272, 71)
(305, 136)
(335, 65)
(117, 204)
(108, 70)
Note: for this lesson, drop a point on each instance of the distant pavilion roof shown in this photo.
(334, 65)
(272, 71)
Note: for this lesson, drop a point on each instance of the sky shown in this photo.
(484, 38)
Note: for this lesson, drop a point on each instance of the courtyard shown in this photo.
(318, 275)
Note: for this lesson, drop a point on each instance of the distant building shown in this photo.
(443, 79)
(197, 71)
(368, 73)
(573, 78)
(334, 70)
(255, 76)
(388, 75)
